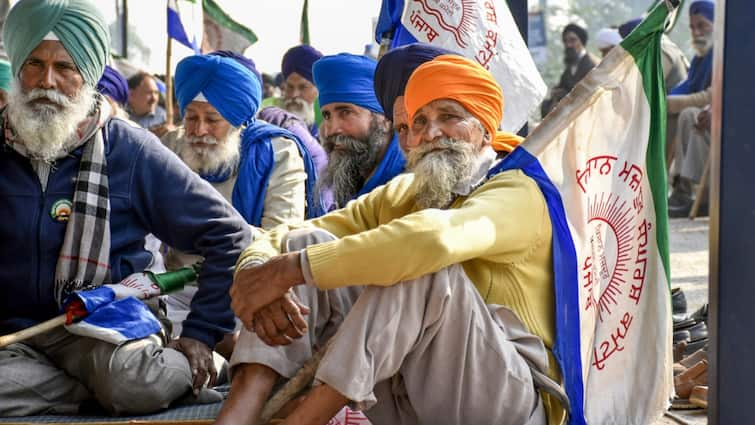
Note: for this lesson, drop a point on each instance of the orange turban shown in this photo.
(465, 81)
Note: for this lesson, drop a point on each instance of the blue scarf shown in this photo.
(392, 164)
(255, 166)
(698, 77)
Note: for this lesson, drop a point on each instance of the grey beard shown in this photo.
(301, 108)
(223, 158)
(438, 172)
(348, 169)
(47, 131)
(702, 45)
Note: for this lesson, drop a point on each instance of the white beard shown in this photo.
(301, 108)
(702, 45)
(221, 157)
(438, 172)
(46, 131)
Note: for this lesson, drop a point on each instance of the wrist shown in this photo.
(294, 274)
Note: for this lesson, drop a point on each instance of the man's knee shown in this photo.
(299, 239)
(144, 377)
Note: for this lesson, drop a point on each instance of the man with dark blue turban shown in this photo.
(80, 192)
(299, 91)
(391, 74)
(577, 63)
(362, 150)
(691, 100)
(114, 87)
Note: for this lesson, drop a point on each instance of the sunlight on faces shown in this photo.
(702, 34)
(210, 144)
(446, 142)
(354, 139)
(48, 100)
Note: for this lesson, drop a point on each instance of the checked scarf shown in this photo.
(83, 262)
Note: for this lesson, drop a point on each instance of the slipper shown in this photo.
(699, 396)
(690, 378)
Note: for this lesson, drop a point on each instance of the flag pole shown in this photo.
(168, 79)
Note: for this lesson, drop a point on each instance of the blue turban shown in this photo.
(247, 62)
(628, 26)
(395, 67)
(227, 85)
(5, 75)
(300, 59)
(113, 85)
(346, 78)
(703, 7)
(78, 24)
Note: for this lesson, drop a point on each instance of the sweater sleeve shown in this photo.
(496, 222)
(186, 213)
(359, 215)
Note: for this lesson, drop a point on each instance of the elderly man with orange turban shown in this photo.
(444, 276)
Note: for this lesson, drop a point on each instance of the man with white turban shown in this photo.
(80, 192)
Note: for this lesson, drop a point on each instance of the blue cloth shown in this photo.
(151, 191)
(698, 76)
(229, 87)
(299, 59)
(346, 78)
(390, 20)
(113, 85)
(628, 26)
(395, 67)
(243, 60)
(566, 348)
(392, 164)
(255, 166)
(284, 119)
(706, 8)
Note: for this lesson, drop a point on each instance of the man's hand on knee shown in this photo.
(199, 356)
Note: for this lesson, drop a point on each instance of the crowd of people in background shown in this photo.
(687, 83)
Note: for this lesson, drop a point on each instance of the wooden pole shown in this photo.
(27, 333)
(168, 83)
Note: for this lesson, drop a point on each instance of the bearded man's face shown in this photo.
(210, 144)
(352, 155)
(445, 146)
(48, 101)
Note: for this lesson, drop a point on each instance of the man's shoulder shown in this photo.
(511, 179)
(124, 136)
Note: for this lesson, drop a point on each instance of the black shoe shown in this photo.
(678, 301)
(701, 314)
(677, 211)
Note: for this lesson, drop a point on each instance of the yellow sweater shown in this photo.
(500, 234)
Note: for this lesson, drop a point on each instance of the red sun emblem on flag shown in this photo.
(454, 16)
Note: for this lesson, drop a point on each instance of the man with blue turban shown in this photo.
(114, 87)
(362, 150)
(691, 99)
(5, 78)
(299, 91)
(80, 192)
(264, 171)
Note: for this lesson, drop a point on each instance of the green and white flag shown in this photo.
(599, 159)
(224, 33)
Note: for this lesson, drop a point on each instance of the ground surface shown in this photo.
(689, 270)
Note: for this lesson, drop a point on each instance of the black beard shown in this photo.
(348, 169)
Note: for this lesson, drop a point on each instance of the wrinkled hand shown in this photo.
(703, 120)
(199, 356)
(281, 321)
(258, 286)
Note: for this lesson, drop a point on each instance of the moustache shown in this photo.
(50, 95)
(207, 140)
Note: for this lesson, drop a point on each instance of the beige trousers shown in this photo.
(427, 350)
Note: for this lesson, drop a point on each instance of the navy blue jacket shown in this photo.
(151, 191)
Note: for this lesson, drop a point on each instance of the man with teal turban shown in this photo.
(363, 152)
(266, 172)
(81, 190)
(5, 79)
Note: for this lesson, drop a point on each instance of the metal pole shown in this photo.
(732, 220)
